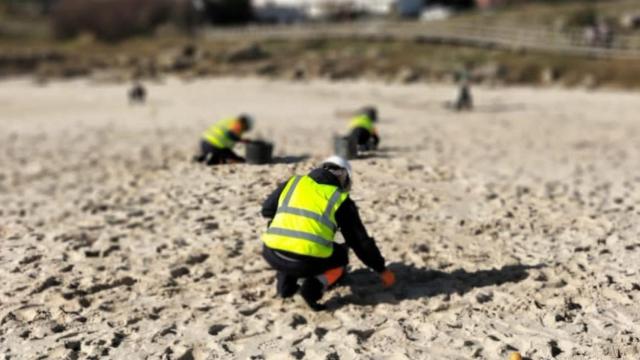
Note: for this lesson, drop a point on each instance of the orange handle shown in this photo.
(388, 278)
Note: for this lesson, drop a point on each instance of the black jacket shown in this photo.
(347, 217)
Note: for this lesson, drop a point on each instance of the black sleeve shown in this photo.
(233, 136)
(356, 236)
(376, 139)
(270, 205)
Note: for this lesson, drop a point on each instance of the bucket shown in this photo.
(259, 152)
(344, 146)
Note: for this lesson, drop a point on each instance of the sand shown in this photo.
(513, 227)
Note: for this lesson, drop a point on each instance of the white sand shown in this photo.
(512, 227)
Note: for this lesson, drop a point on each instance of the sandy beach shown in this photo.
(511, 228)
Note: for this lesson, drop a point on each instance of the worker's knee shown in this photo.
(341, 255)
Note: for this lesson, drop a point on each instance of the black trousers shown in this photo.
(290, 268)
(214, 156)
(464, 101)
(364, 139)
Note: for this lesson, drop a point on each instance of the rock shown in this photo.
(247, 53)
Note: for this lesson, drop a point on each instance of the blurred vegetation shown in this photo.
(105, 43)
(587, 16)
(335, 59)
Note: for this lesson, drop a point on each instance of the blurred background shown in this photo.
(575, 43)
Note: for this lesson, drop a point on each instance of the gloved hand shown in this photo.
(388, 278)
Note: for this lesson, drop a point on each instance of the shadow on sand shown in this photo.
(499, 108)
(415, 283)
(289, 159)
(366, 155)
(488, 108)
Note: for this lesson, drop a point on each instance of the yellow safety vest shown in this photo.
(362, 121)
(305, 221)
(218, 134)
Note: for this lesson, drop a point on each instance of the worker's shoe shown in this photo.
(199, 158)
(311, 292)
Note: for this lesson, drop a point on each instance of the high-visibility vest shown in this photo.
(219, 134)
(305, 221)
(364, 122)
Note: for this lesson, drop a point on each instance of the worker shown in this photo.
(363, 130)
(216, 145)
(464, 100)
(137, 94)
(305, 212)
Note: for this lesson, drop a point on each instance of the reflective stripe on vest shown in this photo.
(305, 220)
(219, 134)
(362, 121)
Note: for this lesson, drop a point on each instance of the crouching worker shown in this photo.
(363, 131)
(216, 145)
(306, 212)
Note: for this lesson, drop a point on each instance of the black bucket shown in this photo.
(259, 152)
(345, 146)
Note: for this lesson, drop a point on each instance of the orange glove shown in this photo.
(388, 278)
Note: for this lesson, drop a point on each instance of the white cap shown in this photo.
(340, 162)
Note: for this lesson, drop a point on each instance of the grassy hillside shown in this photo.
(331, 57)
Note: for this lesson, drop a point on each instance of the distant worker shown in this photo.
(306, 212)
(464, 100)
(216, 146)
(137, 94)
(363, 130)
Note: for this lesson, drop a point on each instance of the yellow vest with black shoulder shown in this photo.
(305, 221)
(362, 121)
(219, 134)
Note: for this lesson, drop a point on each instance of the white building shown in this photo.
(299, 10)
